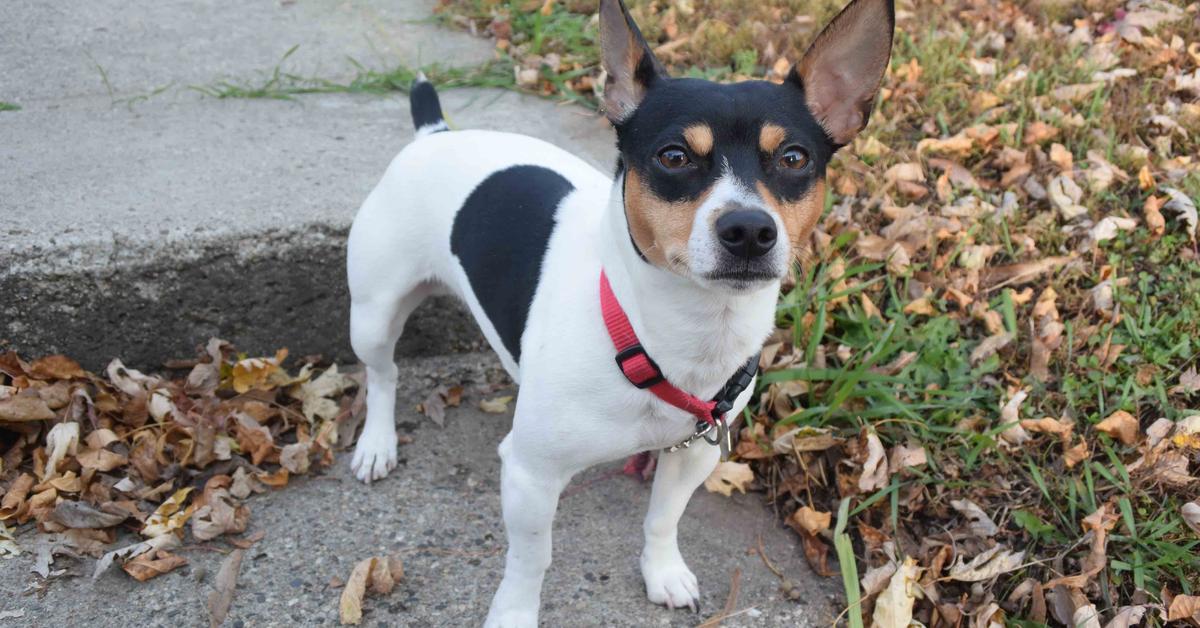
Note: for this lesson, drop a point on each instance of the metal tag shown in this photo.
(726, 443)
(723, 439)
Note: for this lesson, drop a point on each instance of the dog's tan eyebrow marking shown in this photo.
(770, 137)
(699, 138)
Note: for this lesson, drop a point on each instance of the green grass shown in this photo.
(9, 106)
(282, 85)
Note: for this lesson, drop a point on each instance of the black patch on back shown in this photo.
(500, 237)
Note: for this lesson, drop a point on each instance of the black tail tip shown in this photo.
(426, 108)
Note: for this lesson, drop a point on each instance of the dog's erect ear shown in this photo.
(843, 68)
(630, 65)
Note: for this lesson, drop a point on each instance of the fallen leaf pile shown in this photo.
(86, 456)
(989, 348)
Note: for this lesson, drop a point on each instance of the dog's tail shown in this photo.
(426, 109)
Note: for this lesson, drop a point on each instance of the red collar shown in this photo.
(641, 371)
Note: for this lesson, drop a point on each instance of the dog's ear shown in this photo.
(630, 64)
(843, 68)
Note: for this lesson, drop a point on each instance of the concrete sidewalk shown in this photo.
(440, 511)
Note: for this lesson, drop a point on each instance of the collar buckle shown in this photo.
(638, 367)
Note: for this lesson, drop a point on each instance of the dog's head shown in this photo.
(722, 182)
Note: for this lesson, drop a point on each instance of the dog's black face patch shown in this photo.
(686, 134)
(500, 237)
(735, 116)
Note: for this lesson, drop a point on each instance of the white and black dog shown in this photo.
(578, 280)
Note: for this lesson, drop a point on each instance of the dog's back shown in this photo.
(472, 211)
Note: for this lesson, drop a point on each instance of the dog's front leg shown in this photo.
(529, 497)
(668, 579)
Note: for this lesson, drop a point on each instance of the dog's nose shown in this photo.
(747, 233)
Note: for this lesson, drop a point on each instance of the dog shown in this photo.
(622, 305)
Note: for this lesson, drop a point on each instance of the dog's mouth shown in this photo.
(741, 276)
(740, 279)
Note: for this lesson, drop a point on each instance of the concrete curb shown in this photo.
(259, 291)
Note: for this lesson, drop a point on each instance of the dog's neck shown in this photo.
(698, 336)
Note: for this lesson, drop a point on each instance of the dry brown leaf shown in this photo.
(987, 565)
(1153, 214)
(278, 479)
(1062, 158)
(376, 573)
(1014, 435)
(910, 172)
(978, 521)
(959, 145)
(62, 440)
(905, 457)
(877, 578)
(812, 521)
(153, 564)
(1046, 425)
(1065, 196)
(1189, 382)
(350, 605)
(805, 439)
(497, 405)
(1146, 178)
(294, 457)
(1038, 132)
(170, 516)
(875, 468)
(990, 346)
(77, 514)
(1186, 208)
(385, 574)
(25, 406)
(101, 460)
(1086, 616)
(1075, 93)
(1120, 425)
(1127, 617)
(1191, 515)
(1023, 272)
(318, 396)
(728, 476)
(1076, 454)
(257, 373)
(894, 606)
(1184, 607)
(56, 367)
(221, 597)
(14, 499)
(1109, 227)
(219, 515)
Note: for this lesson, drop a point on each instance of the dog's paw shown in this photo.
(373, 458)
(512, 619)
(671, 583)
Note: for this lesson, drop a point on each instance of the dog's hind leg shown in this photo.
(375, 326)
(668, 579)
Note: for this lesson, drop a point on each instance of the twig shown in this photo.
(735, 586)
(762, 553)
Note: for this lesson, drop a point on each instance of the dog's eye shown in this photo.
(673, 158)
(794, 158)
